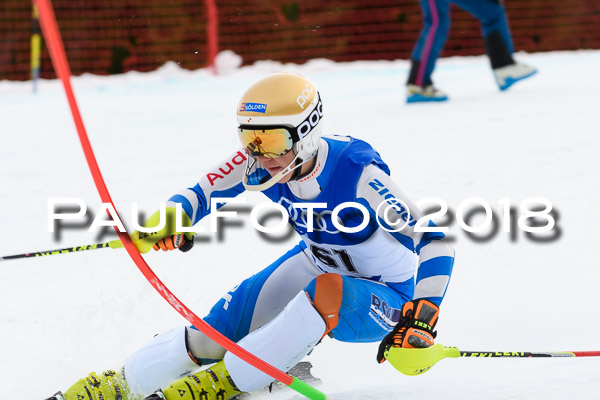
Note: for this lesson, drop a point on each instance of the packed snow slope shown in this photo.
(153, 134)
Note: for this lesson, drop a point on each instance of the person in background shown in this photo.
(496, 36)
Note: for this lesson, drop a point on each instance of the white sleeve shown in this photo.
(223, 180)
(393, 209)
(392, 206)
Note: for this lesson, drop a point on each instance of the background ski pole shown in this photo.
(59, 251)
(417, 361)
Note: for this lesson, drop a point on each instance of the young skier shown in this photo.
(356, 274)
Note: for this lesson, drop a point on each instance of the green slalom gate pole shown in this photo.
(307, 390)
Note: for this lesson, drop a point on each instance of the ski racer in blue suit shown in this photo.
(365, 270)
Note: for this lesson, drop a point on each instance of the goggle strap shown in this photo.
(292, 131)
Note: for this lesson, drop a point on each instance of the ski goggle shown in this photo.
(268, 142)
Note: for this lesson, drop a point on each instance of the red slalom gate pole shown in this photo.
(61, 66)
(212, 33)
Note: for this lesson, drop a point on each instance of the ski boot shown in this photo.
(418, 94)
(210, 384)
(108, 386)
(510, 74)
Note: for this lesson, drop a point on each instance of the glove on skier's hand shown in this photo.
(178, 241)
(414, 329)
(145, 241)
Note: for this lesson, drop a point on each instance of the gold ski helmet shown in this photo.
(278, 114)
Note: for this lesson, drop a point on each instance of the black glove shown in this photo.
(414, 329)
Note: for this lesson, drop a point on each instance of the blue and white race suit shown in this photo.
(381, 268)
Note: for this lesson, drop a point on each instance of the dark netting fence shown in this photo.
(113, 36)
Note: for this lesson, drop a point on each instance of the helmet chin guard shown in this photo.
(259, 187)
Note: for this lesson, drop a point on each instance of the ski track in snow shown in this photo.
(156, 133)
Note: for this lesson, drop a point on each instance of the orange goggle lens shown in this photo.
(266, 142)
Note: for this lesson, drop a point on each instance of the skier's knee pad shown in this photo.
(282, 342)
(159, 362)
(326, 293)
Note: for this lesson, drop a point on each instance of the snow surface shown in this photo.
(156, 133)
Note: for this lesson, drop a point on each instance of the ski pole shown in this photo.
(417, 361)
(113, 244)
(58, 251)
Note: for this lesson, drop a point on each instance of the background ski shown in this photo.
(302, 371)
